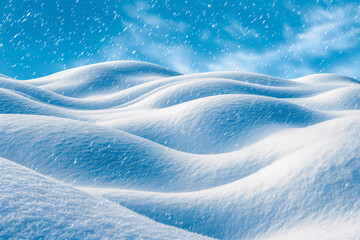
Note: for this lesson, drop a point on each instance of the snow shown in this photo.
(227, 155)
(36, 206)
(101, 78)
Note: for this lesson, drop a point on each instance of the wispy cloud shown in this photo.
(146, 37)
(323, 43)
(281, 38)
(329, 35)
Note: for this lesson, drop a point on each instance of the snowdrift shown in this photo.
(36, 206)
(134, 150)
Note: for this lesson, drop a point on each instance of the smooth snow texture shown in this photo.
(227, 155)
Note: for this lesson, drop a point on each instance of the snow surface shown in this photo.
(226, 155)
(37, 207)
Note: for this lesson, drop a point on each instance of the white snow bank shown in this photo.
(101, 78)
(317, 178)
(227, 155)
(35, 206)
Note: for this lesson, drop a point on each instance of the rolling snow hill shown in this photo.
(132, 150)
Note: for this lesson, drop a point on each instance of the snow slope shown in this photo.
(226, 155)
(36, 206)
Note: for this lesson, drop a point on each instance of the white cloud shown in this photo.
(329, 33)
(325, 33)
(144, 37)
(349, 68)
(238, 31)
(141, 12)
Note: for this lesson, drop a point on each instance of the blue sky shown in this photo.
(280, 38)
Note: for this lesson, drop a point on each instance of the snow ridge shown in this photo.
(224, 155)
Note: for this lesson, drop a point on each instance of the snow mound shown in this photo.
(101, 78)
(35, 206)
(226, 155)
(317, 179)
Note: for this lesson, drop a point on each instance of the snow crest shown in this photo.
(134, 150)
